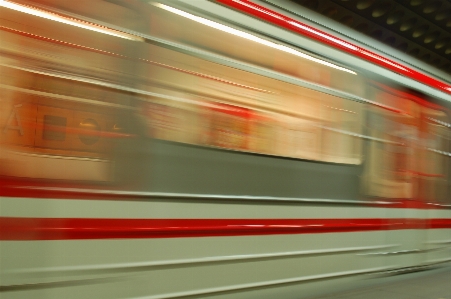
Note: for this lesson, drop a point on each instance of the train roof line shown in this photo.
(280, 20)
(445, 88)
(318, 20)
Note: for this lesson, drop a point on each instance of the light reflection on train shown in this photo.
(199, 154)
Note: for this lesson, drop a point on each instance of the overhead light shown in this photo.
(67, 20)
(249, 37)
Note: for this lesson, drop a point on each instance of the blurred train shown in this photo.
(211, 149)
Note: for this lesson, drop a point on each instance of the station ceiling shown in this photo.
(419, 28)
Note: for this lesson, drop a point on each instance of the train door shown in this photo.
(393, 171)
(433, 186)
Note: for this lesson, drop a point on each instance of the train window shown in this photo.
(54, 128)
(226, 107)
(317, 127)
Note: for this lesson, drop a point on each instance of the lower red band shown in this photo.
(82, 228)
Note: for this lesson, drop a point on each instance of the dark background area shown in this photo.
(419, 28)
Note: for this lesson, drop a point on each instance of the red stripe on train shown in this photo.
(13, 228)
(293, 25)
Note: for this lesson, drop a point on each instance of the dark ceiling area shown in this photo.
(419, 28)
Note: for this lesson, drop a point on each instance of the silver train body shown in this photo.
(185, 149)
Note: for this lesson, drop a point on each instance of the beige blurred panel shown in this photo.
(249, 51)
(116, 14)
(229, 127)
(191, 124)
(37, 51)
(305, 139)
(96, 9)
(43, 166)
(8, 77)
(283, 135)
(341, 121)
(353, 84)
(241, 95)
(303, 68)
(216, 81)
(210, 39)
(173, 79)
(18, 122)
(302, 102)
(256, 91)
(9, 18)
(240, 87)
(64, 60)
(387, 96)
(181, 123)
(41, 53)
(170, 57)
(262, 133)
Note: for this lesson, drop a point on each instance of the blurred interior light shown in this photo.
(67, 20)
(249, 37)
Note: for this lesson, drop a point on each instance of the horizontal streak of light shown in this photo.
(250, 37)
(275, 18)
(67, 20)
(95, 50)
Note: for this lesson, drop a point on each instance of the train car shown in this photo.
(211, 149)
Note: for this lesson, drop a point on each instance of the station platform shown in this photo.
(427, 284)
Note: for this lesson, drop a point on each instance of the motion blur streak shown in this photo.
(213, 159)
(66, 20)
(122, 56)
(276, 18)
(250, 37)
